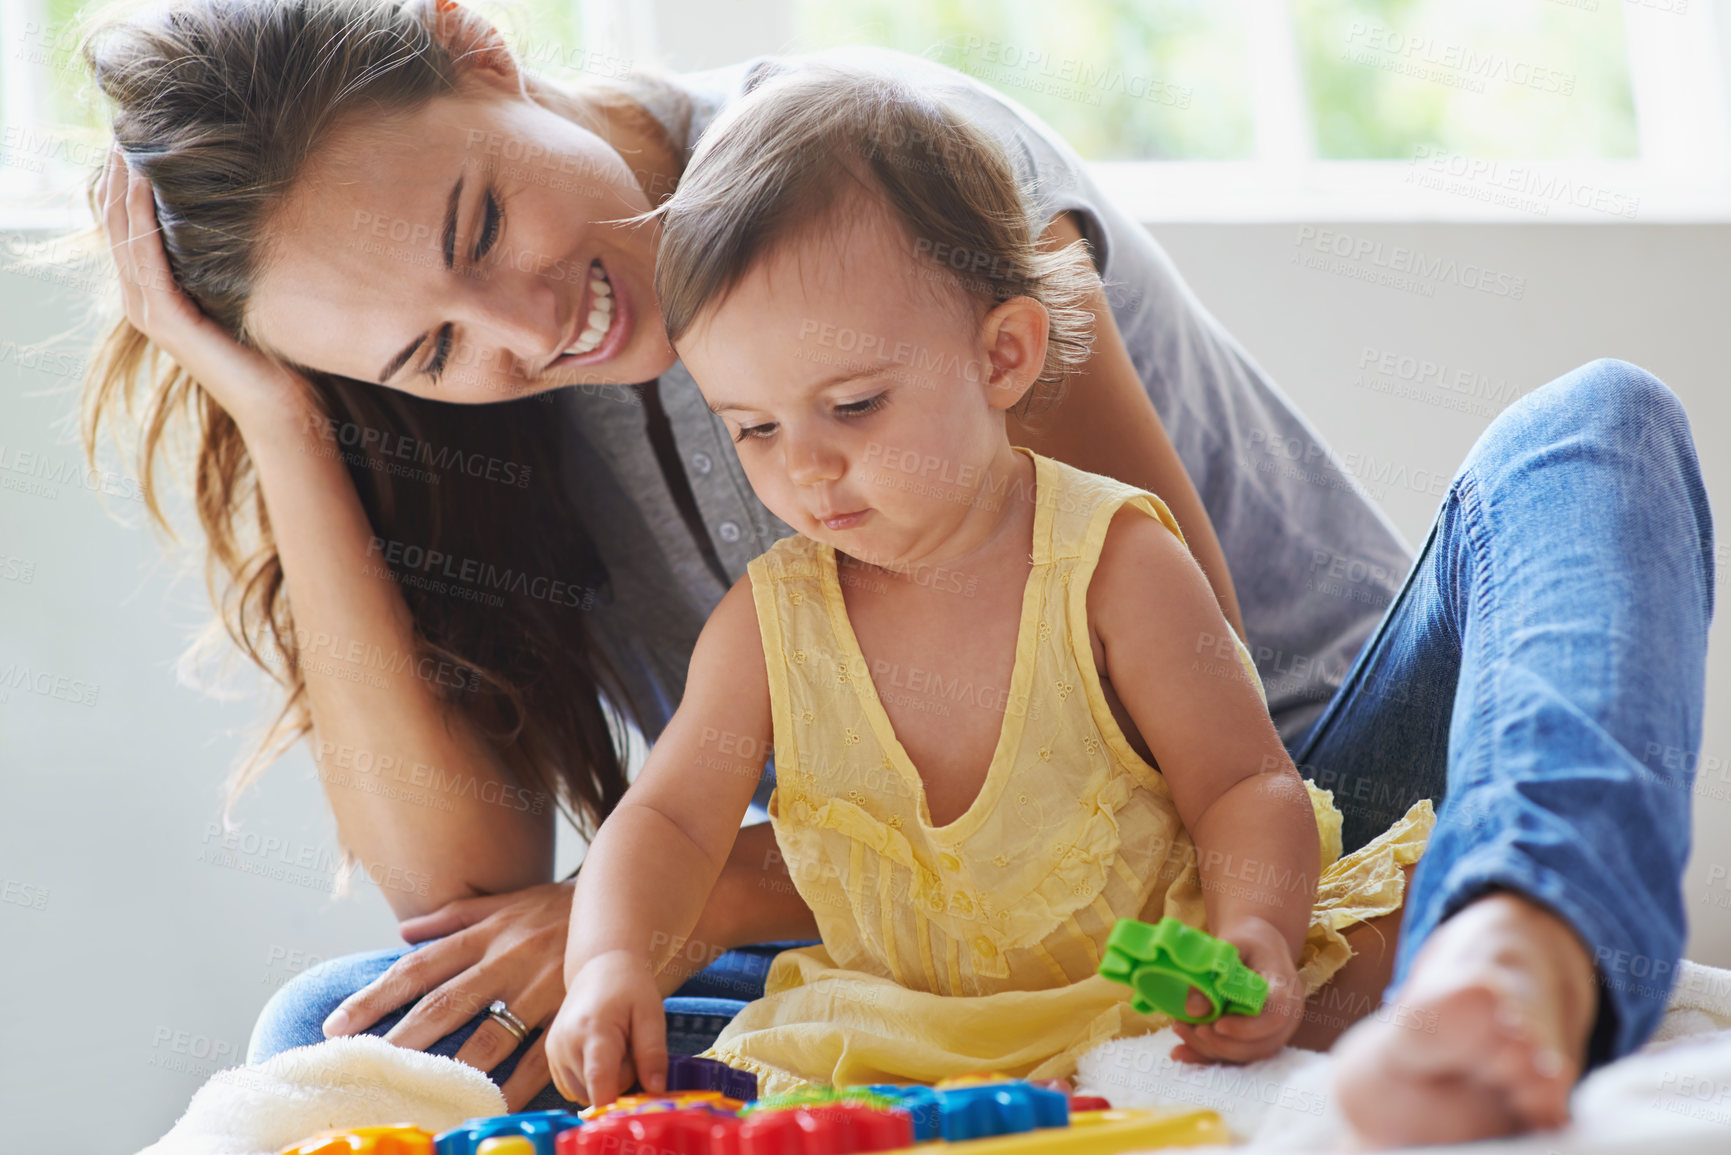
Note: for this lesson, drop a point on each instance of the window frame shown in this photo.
(1678, 68)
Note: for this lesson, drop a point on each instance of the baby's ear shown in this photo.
(469, 37)
(1014, 334)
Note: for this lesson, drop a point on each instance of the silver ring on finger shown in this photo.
(501, 1014)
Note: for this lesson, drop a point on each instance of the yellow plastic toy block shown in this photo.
(506, 1145)
(401, 1139)
(1103, 1133)
(667, 1101)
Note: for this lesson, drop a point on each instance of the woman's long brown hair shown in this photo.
(219, 103)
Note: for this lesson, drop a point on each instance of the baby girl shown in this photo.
(1005, 706)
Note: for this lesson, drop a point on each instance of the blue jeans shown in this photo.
(295, 1015)
(1540, 676)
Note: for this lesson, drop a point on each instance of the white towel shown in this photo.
(350, 1081)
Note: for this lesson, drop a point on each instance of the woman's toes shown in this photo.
(1471, 1073)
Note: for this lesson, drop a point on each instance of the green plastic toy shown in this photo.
(1161, 961)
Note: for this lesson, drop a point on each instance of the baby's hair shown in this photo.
(799, 148)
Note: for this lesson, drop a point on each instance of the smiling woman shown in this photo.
(404, 208)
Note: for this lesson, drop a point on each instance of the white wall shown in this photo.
(132, 965)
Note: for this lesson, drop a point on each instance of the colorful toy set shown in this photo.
(977, 1115)
(712, 1109)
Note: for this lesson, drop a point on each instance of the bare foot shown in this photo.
(1487, 1037)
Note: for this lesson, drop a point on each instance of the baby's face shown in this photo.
(855, 380)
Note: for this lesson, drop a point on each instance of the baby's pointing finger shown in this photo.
(602, 1060)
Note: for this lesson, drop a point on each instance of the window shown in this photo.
(1597, 110)
(1507, 109)
(48, 138)
(1119, 80)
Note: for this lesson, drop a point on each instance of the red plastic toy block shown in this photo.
(690, 1131)
(828, 1129)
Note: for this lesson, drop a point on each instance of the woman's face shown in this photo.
(457, 252)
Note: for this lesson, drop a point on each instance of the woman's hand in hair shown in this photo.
(497, 946)
(242, 380)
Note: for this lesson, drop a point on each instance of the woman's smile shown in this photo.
(604, 322)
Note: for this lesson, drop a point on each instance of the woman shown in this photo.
(377, 214)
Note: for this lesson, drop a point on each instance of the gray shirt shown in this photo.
(1313, 560)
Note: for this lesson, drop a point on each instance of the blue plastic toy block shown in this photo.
(1000, 1109)
(923, 1104)
(541, 1128)
(1006, 1107)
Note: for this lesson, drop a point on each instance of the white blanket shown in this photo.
(1673, 1096)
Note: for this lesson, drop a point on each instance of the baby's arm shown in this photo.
(654, 861)
(1234, 785)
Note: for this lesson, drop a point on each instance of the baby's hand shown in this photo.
(609, 1032)
(1246, 1038)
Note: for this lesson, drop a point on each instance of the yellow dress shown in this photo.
(974, 945)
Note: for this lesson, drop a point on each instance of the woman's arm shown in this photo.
(372, 725)
(1104, 423)
(375, 722)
